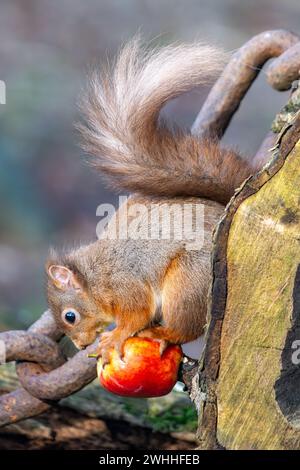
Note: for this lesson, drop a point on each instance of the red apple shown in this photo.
(142, 372)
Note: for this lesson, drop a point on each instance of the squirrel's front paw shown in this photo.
(151, 333)
(108, 341)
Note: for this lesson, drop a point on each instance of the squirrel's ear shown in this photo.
(63, 277)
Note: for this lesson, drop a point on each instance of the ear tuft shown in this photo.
(63, 277)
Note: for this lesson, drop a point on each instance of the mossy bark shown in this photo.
(249, 380)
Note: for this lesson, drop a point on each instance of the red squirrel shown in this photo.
(156, 288)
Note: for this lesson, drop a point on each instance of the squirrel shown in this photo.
(155, 288)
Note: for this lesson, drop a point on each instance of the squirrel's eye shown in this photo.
(70, 317)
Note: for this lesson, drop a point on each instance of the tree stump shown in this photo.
(250, 377)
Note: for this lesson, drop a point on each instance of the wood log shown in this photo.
(250, 372)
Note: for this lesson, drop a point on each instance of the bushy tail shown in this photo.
(133, 147)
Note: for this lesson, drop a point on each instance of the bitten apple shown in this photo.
(142, 372)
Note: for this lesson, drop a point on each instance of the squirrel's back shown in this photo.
(133, 147)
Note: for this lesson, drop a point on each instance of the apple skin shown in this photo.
(142, 372)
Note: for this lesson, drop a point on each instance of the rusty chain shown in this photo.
(45, 375)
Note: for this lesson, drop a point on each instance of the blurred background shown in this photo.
(48, 195)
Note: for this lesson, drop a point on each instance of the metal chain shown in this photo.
(44, 374)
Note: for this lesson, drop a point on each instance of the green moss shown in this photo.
(177, 419)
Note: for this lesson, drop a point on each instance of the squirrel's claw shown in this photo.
(119, 348)
(108, 341)
(104, 348)
(105, 358)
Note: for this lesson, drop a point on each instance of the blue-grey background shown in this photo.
(47, 194)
